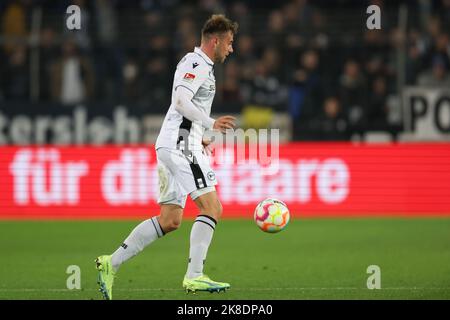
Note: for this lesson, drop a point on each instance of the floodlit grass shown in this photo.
(311, 259)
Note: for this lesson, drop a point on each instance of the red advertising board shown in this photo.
(313, 179)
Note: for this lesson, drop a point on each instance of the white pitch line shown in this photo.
(232, 289)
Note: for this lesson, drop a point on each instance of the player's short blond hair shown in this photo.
(218, 24)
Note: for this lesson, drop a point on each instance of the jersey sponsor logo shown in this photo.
(189, 77)
(194, 65)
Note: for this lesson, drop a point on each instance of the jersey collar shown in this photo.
(205, 57)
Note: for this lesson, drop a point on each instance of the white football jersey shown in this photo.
(196, 73)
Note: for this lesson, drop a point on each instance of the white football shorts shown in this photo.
(181, 175)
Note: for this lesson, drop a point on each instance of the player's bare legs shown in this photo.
(200, 239)
(170, 217)
(209, 204)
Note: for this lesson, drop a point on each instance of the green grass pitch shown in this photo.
(311, 259)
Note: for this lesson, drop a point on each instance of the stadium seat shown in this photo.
(377, 136)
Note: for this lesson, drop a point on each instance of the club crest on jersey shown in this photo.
(211, 175)
(189, 77)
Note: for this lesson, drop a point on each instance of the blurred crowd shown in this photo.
(314, 60)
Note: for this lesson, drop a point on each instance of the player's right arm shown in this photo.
(184, 105)
(224, 123)
(188, 81)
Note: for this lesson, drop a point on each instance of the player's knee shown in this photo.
(170, 224)
(214, 210)
(219, 210)
(173, 224)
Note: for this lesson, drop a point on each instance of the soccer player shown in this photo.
(183, 166)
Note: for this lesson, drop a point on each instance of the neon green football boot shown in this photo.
(106, 276)
(204, 283)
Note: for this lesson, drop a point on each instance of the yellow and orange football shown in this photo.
(271, 215)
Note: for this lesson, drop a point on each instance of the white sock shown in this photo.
(201, 236)
(144, 234)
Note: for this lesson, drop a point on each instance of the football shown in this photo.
(271, 215)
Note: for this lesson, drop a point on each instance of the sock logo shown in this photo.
(124, 246)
